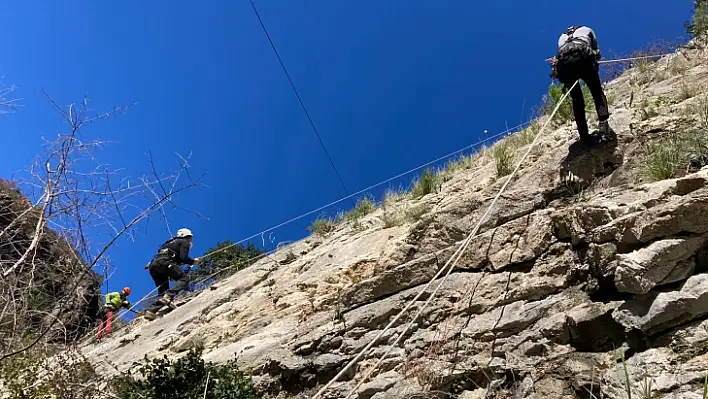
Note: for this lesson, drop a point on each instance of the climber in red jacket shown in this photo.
(577, 58)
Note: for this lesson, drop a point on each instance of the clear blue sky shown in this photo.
(389, 84)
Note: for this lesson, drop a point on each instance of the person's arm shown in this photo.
(184, 253)
(594, 45)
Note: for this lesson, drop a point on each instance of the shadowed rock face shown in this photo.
(562, 275)
(50, 277)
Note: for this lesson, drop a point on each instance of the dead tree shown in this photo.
(51, 241)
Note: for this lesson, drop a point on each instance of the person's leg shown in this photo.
(568, 73)
(109, 320)
(100, 330)
(180, 279)
(576, 95)
(162, 281)
(591, 76)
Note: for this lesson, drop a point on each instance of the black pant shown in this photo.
(583, 66)
(161, 274)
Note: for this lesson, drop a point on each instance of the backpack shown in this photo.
(573, 47)
(164, 252)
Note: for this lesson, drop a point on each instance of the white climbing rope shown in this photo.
(634, 58)
(149, 294)
(456, 256)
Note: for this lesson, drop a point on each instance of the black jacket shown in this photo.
(176, 251)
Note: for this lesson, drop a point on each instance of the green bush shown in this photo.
(503, 155)
(362, 208)
(322, 227)
(669, 155)
(428, 183)
(228, 260)
(27, 375)
(188, 377)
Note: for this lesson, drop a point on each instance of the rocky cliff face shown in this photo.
(566, 278)
(32, 294)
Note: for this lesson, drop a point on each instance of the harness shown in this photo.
(164, 253)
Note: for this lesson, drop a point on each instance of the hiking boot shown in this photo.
(167, 300)
(606, 131)
(587, 140)
(150, 315)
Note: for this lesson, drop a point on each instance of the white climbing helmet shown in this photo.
(184, 233)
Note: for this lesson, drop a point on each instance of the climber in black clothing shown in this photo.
(166, 266)
(577, 58)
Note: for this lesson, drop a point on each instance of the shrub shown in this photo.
(391, 216)
(428, 183)
(565, 111)
(33, 374)
(669, 155)
(362, 208)
(525, 136)
(188, 377)
(503, 155)
(229, 259)
(322, 227)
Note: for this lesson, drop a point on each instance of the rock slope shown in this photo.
(566, 278)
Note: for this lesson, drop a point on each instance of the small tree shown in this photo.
(227, 259)
(698, 25)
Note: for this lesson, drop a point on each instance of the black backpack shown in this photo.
(164, 252)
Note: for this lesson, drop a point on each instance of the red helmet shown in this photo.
(126, 291)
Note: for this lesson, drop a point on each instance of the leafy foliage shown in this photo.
(698, 26)
(188, 377)
(565, 111)
(230, 259)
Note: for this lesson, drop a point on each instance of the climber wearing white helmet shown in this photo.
(577, 58)
(166, 266)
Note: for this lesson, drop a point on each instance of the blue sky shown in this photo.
(390, 85)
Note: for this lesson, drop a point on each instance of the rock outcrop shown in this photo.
(50, 285)
(561, 284)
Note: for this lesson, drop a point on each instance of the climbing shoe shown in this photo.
(167, 300)
(149, 315)
(587, 140)
(608, 135)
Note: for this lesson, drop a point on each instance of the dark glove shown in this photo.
(110, 307)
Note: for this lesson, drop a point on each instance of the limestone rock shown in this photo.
(656, 312)
(661, 262)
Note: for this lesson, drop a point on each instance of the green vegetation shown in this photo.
(565, 111)
(687, 91)
(362, 208)
(70, 377)
(698, 26)
(671, 154)
(227, 259)
(503, 155)
(188, 377)
(322, 227)
(428, 183)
